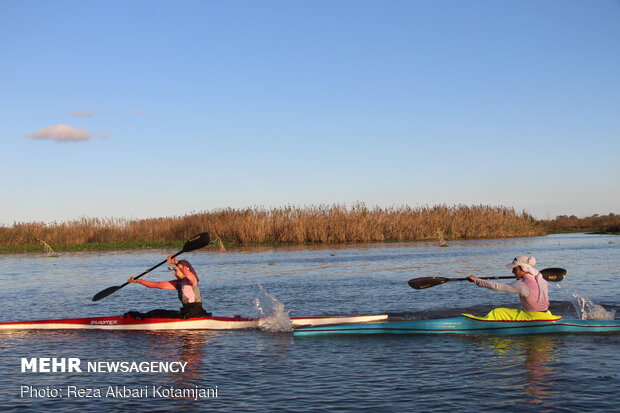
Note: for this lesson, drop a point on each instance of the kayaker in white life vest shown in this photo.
(186, 284)
(530, 285)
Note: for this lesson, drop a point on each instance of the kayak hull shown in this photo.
(201, 323)
(464, 325)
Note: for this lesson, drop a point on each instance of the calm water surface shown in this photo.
(264, 371)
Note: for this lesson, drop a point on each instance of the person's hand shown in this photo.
(472, 278)
(132, 280)
(172, 260)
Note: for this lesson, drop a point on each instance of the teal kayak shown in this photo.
(465, 325)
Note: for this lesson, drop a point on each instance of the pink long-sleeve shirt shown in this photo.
(532, 290)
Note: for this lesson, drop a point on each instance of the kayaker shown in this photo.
(530, 285)
(186, 284)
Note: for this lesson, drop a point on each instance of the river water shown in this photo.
(257, 370)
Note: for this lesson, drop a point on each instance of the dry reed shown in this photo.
(290, 224)
(48, 249)
(597, 223)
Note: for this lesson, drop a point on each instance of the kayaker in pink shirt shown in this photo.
(530, 285)
(186, 284)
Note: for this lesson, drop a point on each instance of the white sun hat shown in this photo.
(524, 261)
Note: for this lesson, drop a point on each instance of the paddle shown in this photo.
(549, 274)
(194, 243)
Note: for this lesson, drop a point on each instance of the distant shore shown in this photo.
(333, 224)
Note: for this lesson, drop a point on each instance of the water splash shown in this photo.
(271, 314)
(586, 308)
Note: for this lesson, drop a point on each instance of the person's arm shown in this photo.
(191, 277)
(188, 274)
(164, 285)
(517, 287)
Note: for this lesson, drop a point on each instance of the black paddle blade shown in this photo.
(106, 292)
(426, 282)
(553, 274)
(197, 241)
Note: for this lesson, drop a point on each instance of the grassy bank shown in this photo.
(93, 246)
(258, 226)
(599, 224)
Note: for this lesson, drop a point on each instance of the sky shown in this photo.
(139, 109)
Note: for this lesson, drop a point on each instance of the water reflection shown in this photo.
(192, 350)
(185, 346)
(534, 357)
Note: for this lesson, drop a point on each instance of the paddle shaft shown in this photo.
(196, 242)
(549, 274)
(151, 269)
(507, 277)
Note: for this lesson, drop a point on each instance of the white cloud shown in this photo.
(139, 112)
(61, 133)
(81, 114)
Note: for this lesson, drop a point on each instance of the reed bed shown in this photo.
(291, 224)
(609, 224)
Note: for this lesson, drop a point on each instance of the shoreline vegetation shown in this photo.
(334, 224)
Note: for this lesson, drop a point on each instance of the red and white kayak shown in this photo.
(201, 323)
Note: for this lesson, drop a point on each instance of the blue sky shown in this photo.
(139, 109)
